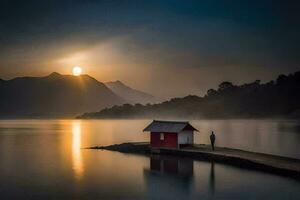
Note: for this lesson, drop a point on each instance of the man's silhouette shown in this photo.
(212, 140)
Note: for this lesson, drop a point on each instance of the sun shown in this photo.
(77, 71)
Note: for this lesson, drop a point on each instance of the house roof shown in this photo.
(169, 126)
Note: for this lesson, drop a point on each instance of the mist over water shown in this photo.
(44, 159)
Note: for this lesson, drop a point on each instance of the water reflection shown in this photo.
(42, 159)
(76, 149)
(172, 165)
(212, 179)
(169, 177)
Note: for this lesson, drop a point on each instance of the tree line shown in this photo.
(279, 98)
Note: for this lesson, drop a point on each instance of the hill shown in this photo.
(279, 98)
(130, 95)
(54, 96)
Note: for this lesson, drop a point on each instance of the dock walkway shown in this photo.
(244, 159)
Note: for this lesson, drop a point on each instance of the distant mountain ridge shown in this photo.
(279, 98)
(54, 95)
(130, 95)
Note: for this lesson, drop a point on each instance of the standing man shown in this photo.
(212, 140)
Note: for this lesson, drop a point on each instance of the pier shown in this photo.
(244, 159)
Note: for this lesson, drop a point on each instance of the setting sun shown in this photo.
(77, 71)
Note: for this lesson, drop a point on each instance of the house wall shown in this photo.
(170, 140)
(186, 137)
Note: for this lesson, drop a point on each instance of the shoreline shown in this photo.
(279, 165)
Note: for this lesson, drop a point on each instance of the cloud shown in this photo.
(186, 46)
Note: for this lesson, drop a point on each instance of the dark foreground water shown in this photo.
(43, 159)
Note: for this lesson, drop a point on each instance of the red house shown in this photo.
(170, 134)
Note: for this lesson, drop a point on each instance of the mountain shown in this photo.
(130, 95)
(279, 98)
(54, 95)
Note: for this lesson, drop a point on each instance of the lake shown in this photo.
(44, 159)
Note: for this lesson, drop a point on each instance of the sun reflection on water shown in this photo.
(76, 149)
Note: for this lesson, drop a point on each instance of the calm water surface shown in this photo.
(43, 159)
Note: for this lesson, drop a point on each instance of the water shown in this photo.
(43, 159)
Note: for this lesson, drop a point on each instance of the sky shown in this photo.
(168, 48)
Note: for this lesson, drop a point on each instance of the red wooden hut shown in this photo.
(170, 134)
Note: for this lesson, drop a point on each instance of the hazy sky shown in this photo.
(167, 47)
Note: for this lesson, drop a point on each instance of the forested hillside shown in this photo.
(279, 98)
